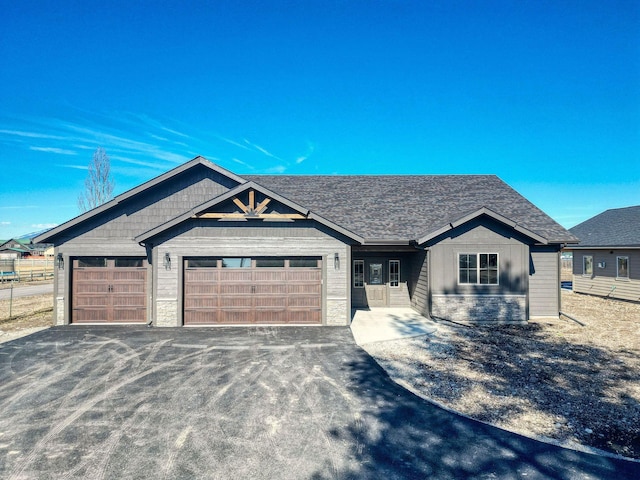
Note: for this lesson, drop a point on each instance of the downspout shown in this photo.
(428, 260)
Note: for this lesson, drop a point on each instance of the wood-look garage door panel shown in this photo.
(270, 289)
(203, 317)
(238, 317)
(271, 302)
(235, 289)
(109, 294)
(269, 275)
(305, 316)
(235, 301)
(304, 289)
(214, 294)
(242, 275)
(305, 301)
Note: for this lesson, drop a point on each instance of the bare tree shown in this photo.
(98, 186)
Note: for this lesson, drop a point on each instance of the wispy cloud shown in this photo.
(244, 164)
(311, 148)
(77, 167)
(5, 223)
(60, 151)
(19, 133)
(231, 142)
(262, 150)
(138, 145)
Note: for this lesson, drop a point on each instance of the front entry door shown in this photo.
(375, 288)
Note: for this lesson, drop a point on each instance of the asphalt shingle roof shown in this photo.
(617, 227)
(401, 207)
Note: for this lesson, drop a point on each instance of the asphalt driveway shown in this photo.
(255, 403)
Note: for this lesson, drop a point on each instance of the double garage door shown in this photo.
(243, 290)
(109, 290)
(234, 290)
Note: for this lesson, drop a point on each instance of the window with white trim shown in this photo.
(358, 273)
(394, 273)
(478, 268)
(622, 267)
(587, 265)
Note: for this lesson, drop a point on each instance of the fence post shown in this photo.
(11, 301)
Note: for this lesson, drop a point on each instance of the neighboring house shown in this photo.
(607, 260)
(39, 249)
(200, 245)
(13, 249)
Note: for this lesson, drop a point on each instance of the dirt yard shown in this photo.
(28, 315)
(552, 378)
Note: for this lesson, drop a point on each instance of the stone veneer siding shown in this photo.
(480, 308)
(166, 312)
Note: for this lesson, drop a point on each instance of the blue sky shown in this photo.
(544, 94)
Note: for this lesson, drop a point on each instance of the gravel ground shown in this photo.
(550, 378)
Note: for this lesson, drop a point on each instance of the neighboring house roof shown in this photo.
(14, 245)
(398, 207)
(617, 227)
(383, 209)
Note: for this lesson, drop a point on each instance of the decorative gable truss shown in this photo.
(249, 202)
(253, 205)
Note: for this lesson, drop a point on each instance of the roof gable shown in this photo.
(247, 202)
(484, 211)
(141, 189)
(617, 227)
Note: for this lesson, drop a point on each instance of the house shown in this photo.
(200, 245)
(607, 260)
(13, 249)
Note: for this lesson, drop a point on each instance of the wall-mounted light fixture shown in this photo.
(336, 261)
(60, 260)
(167, 261)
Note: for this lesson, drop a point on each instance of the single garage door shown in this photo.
(109, 290)
(242, 290)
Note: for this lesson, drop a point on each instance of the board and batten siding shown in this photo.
(544, 279)
(603, 281)
(420, 283)
(220, 240)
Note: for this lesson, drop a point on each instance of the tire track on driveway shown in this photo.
(81, 409)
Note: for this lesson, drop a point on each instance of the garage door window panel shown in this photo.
(236, 262)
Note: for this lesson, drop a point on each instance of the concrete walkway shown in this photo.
(383, 324)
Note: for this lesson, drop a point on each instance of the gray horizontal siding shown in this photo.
(607, 287)
(603, 282)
